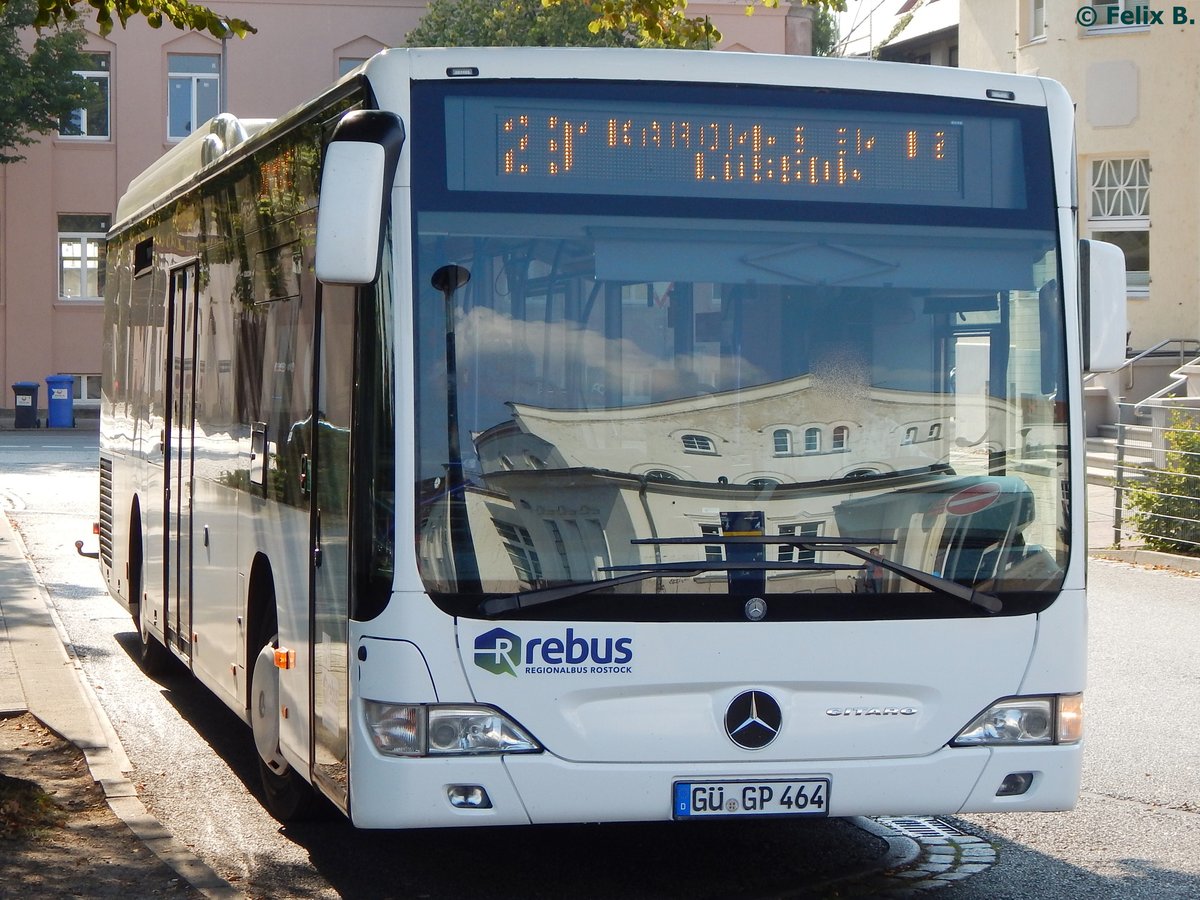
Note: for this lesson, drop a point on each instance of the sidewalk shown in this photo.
(37, 675)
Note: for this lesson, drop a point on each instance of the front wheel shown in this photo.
(153, 657)
(288, 797)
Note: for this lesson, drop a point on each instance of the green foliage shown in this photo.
(825, 33)
(510, 23)
(895, 33)
(1165, 505)
(180, 13)
(40, 84)
(572, 23)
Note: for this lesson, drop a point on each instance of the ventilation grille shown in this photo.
(106, 511)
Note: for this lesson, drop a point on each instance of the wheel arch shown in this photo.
(262, 617)
(135, 559)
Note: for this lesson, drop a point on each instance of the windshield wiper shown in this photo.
(539, 596)
(849, 545)
(853, 547)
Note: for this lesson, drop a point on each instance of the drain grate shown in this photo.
(920, 827)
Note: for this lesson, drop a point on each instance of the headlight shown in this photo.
(1026, 720)
(415, 730)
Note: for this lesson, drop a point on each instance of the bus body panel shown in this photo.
(594, 692)
(542, 789)
(623, 709)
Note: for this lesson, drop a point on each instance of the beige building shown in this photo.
(157, 85)
(1137, 86)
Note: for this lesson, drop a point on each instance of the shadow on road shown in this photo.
(639, 860)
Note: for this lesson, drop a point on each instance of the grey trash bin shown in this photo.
(26, 404)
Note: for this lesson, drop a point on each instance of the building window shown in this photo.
(935, 431)
(1120, 15)
(698, 443)
(348, 64)
(193, 92)
(783, 442)
(712, 552)
(564, 558)
(90, 121)
(910, 436)
(661, 475)
(1037, 20)
(787, 553)
(1120, 214)
(87, 390)
(521, 551)
(812, 440)
(763, 484)
(81, 256)
(841, 438)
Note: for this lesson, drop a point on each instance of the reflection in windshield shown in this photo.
(606, 381)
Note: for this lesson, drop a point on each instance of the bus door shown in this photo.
(332, 419)
(180, 430)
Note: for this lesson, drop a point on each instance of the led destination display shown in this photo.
(538, 145)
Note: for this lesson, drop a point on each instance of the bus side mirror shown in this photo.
(354, 203)
(1102, 304)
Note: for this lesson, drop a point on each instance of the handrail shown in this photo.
(1180, 379)
(1182, 342)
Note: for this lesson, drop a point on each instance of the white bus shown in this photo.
(531, 436)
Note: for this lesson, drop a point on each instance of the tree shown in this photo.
(510, 23)
(183, 14)
(826, 33)
(567, 23)
(41, 88)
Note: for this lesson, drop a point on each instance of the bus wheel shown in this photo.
(288, 796)
(153, 657)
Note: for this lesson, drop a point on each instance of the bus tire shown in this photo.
(155, 660)
(286, 794)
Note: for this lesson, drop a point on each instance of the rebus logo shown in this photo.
(498, 651)
(503, 653)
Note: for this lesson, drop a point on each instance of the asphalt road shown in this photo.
(1136, 832)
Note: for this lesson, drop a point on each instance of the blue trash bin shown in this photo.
(60, 404)
(25, 404)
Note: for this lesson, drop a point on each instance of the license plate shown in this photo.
(784, 797)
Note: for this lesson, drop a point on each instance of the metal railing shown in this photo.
(1157, 496)
(1156, 351)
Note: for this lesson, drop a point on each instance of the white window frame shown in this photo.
(522, 552)
(84, 239)
(100, 78)
(1037, 20)
(699, 443)
(812, 439)
(86, 392)
(193, 93)
(1119, 201)
(1102, 26)
(788, 553)
(781, 441)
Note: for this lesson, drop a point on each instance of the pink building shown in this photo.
(157, 85)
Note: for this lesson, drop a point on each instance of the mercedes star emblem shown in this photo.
(753, 720)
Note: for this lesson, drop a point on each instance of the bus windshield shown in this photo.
(742, 394)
